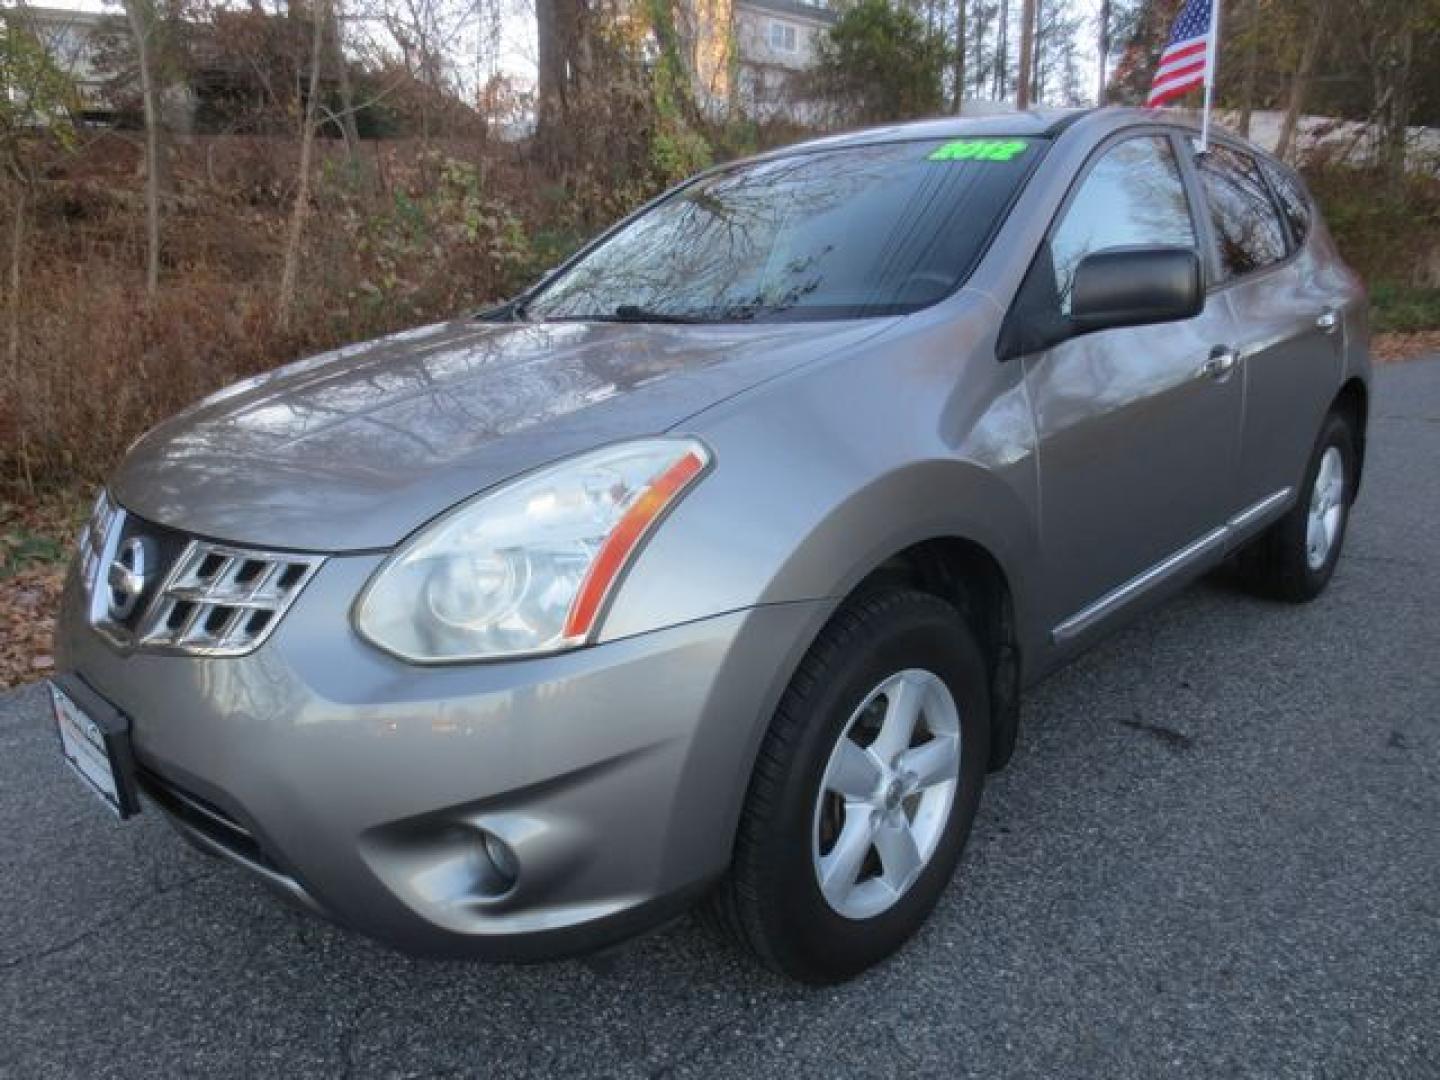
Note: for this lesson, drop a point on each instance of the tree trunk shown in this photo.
(1301, 81)
(291, 269)
(551, 72)
(1027, 57)
(17, 252)
(348, 127)
(959, 102)
(1397, 128)
(12, 329)
(142, 22)
(1037, 55)
(1002, 53)
(1104, 51)
(980, 26)
(1252, 67)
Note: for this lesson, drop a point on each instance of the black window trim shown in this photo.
(1103, 147)
(1215, 280)
(1270, 167)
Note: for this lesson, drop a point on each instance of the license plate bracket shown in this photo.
(95, 742)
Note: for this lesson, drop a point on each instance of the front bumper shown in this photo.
(363, 787)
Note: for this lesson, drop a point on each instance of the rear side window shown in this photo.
(1247, 226)
(1133, 197)
(1294, 203)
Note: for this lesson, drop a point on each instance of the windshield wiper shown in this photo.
(637, 313)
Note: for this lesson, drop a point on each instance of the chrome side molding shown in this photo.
(1240, 525)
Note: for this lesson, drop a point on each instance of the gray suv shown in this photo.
(713, 566)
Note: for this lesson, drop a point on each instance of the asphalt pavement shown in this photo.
(1217, 853)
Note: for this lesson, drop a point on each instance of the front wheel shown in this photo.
(864, 790)
(1295, 558)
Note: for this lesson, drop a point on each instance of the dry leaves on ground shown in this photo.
(1406, 346)
(36, 538)
(28, 601)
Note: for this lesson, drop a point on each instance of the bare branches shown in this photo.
(295, 232)
(141, 15)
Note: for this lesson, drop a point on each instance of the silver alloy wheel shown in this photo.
(886, 794)
(1327, 505)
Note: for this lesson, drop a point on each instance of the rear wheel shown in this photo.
(1295, 558)
(864, 791)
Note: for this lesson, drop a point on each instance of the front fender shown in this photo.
(818, 483)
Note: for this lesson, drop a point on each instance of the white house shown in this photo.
(776, 40)
(72, 39)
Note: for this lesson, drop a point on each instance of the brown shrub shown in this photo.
(410, 234)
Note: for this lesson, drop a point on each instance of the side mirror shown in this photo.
(1135, 286)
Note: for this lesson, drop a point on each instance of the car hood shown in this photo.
(354, 449)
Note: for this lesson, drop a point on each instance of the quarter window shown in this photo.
(1294, 203)
(1247, 227)
(1133, 197)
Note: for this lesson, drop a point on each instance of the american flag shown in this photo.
(1183, 63)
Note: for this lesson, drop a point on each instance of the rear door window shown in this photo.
(1132, 197)
(1248, 231)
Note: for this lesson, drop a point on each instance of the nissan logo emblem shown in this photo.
(127, 577)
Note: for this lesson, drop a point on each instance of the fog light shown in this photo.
(503, 861)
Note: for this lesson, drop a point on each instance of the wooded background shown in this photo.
(349, 167)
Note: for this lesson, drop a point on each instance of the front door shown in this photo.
(1139, 426)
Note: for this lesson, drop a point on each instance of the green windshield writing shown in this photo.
(980, 150)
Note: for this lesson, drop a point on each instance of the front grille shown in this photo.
(221, 600)
(92, 539)
(191, 596)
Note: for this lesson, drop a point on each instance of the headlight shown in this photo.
(526, 568)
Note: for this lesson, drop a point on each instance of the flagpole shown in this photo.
(1212, 55)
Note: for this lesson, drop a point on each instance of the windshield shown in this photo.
(868, 230)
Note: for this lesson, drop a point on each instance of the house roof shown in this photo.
(49, 16)
(798, 9)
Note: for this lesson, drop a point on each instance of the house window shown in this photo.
(782, 37)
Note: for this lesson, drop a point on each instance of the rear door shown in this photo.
(1138, 426)
(1287, 312)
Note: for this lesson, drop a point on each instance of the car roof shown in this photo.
(1033, 123)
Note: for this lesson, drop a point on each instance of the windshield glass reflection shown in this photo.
(869, 230)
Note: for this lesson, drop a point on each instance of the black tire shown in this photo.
(1276, 564)
(771, 900)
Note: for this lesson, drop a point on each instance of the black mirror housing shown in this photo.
(1134, 287)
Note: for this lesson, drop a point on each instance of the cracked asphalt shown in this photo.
(1217, 853)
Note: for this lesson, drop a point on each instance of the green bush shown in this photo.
(879, 63)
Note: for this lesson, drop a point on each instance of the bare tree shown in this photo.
(1002, 51)
(1251, 66)
(1300, 82)
(959, 101)
(346, 117)
(1027, 54)
(1102, 51)
(296, 230)
(34, 94)
(141, 16)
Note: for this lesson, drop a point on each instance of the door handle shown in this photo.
(1221, 363)
(1328, 321)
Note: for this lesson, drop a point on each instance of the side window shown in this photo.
(1132, 197)
(1294, 203)
(1247, 227)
